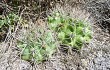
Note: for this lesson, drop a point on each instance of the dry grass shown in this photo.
(61, 60)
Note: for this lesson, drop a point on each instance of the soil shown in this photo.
(93, 56)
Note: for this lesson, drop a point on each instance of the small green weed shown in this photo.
(70, 32)
(10, 19)
(7, 22)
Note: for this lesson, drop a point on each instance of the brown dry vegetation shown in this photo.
(93, 56)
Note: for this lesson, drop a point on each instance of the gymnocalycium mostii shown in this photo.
(37, 48)
(70, 32)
